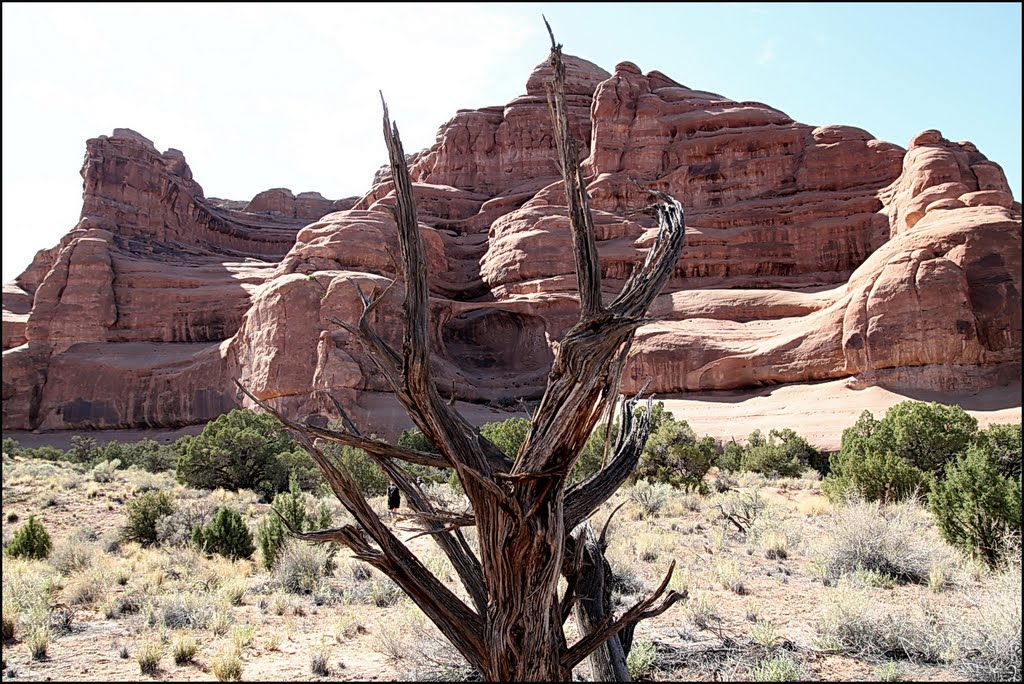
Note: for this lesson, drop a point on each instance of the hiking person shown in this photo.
(394, 497)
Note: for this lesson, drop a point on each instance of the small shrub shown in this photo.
(301, 567)
(297, 509)
(778, 668)
(227, 666)
(384, 592)
(184, 611)
(763, 634)
(177, 528)
(10, 619)
(30, 541)
(104, 470)
(641, 659)
(227, 535)
(71, 556)
(148, 656)
(143, 514)
(673, 455)
(990, 635)
(891, 540)
(976, 505)
(854, 622)
(649, 498)
(38, 641)
(184, 650)
(318, 662)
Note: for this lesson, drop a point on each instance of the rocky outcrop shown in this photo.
(813, 253)
(154, 264)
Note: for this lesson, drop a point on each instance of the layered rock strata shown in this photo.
(813, 253)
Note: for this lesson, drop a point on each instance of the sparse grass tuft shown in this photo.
(184, 650)
(729, 575)
(319, 662)
(763, 633)
(148, 656)
(778, 668)
(227, 666)
(38, 641)
(700, 611)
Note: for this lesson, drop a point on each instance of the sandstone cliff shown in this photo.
(813, 253)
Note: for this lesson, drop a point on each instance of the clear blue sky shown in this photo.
(265, 95)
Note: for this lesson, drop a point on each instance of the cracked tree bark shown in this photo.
(512, 628)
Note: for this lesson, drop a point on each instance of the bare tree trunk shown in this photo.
(513, 631)
(594, 608)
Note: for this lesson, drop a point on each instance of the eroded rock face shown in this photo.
(812, 253)
(122, 323)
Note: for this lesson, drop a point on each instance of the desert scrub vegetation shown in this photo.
(972, 478)
(143, 514)
(227, 534)
(243, 449)
(31, 540)
(897, 540)
(301, 568)
(299, 510)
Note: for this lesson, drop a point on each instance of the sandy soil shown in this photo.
(395, 642)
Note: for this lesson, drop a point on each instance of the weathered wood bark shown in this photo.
(513, 631)
(593, 609)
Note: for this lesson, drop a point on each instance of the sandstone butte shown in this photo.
(814, 255)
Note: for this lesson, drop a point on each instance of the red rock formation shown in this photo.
(812, 254)
(151, 263)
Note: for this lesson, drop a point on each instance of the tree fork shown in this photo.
(522, 511)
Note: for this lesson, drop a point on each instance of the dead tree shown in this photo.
(512, 627)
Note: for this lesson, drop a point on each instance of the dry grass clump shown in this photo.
(38, 641)
(227, 666)
(233, 591)
(10, 618)
(186, 611)
(72, 554)
(184, 650)
(855, 623)
(701, 611)
(897, 540)
(989, 638)
(148, 656)
(319, 662)
(729, 575)
(781, 667)
(86, 588)
(301, 567)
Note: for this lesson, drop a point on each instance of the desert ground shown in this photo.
(776, 600)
